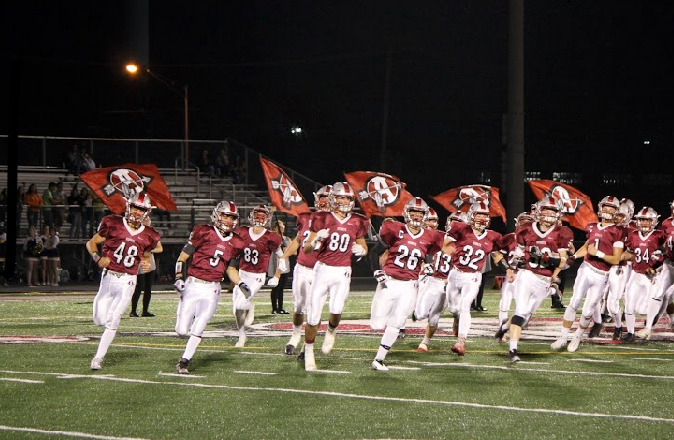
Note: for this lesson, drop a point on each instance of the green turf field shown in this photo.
(48, 392)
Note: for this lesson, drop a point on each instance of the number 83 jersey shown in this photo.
(407, 251)
(124, 245)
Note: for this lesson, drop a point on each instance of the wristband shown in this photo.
(179, 269)
(95, 257)
(600, 254)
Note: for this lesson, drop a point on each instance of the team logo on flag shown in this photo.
(571, 205)
(576, 206)
(379, 193)
(382, 191)
(471, 194)
(283, 192)
(126, 181)
(461, 198)
(289, 194)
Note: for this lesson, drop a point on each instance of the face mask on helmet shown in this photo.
(647, 219)
(415, 212)
(138, 208)
(548, 211)
(608, 207)
(225, 217)
(478, 216)
(322, 198)
(523, 218)
(260, 216)
(432, 221)
(342, 198)
(624, 215)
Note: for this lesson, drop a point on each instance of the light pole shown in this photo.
(132, 69)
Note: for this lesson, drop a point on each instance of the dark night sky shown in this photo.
(598, 79)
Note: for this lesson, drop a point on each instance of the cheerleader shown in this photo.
(32, 248)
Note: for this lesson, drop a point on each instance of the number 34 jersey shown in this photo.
(407, 250)
(212, 252)
(472, 250)
(124, 245)
(255, 255)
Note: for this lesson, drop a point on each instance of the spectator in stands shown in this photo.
(239, 173)
(44, 257)
(47, 202)
(222, 164)
(88, 163)
(3, 205)
(86, 210)
(20, 202)
(74, 212)
(161, 216)
(205, 164)
(34, 202)
(73, 160)
(99, 209)
(58, 206)
(32, 248)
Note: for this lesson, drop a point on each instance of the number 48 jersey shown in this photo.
(406, 250)
(212, 252)
(124, 245)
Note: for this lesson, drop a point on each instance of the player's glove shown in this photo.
(657, 258)
(358, 250)
(245, 290)
(283, 265)
(273, 282)
(320, 236)
(428, 270)
(179, 285)
(380, 276)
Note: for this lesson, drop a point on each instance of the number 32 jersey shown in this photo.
(125, 246)
(407, 251)
(472, 250)
(212, 252)
(343, 233)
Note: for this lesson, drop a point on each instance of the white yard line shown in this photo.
(256, 372)
(10, 379)
(392, 367)
(652, 359)
(67, 433)
(596, 361)
(179, 375)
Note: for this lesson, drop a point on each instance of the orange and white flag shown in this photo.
(460, 199)
(283, 192)
(379, 193)
(577, 206)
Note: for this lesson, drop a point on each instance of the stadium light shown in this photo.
(183, 91)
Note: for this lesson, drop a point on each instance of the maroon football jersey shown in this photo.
(303, 224)
(642, 247)
(472, 250)
(552, 241)
(442, 263)
(668, 228)
(336, 249)
(508, 246)
(212, 252)
(407, 251)
(255, 255)
(604, 238)
(125, 246)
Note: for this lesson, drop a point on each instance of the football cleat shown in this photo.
(290, 350)
(422, 348)
(96, 364)
(379, 365)
(596, 329)
(617, 333)
(559, 344)
(628, 338)
(401, 334)
(513, 356)
(329, 341)
(573, 345)
(459, 348)
(181, 366)
(500, 334)
(644, 334)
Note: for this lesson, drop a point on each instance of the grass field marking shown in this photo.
(179, 375)
(67, 433)
(11, 379)
(555, 412)
(393, 367)
(255, 372)
(533, 363)
(331, 372)
(652, 359)
(539, 370)
(596, 361)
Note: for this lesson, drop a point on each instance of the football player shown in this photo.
(474, 243)
(127, 243)
(542, 246)
(259, 243)
(303, 273)
(398, 283)
(667, 276)
(335, 236)
(212, 248)
(601, 251)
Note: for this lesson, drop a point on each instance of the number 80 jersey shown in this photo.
(335, 250)
(124, 245)
(407, 251)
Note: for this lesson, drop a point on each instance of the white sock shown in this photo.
(297, 330)
(513, 344)
(426, 340)
(630, 321)
(387, 341)
(654, 306)
(106, 340)
(191, 347)
(564, 334)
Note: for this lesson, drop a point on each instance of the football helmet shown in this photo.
(342, 189)
(142, 208)
(523, 218)
(671, 206)
(548, 204)
(432, 221)
(456, 217)
(625, 212)
(321, 198)
(225, 217)
(608, 202)
(416, 204)
(647, 219)
(479, 208)
(260, 216)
